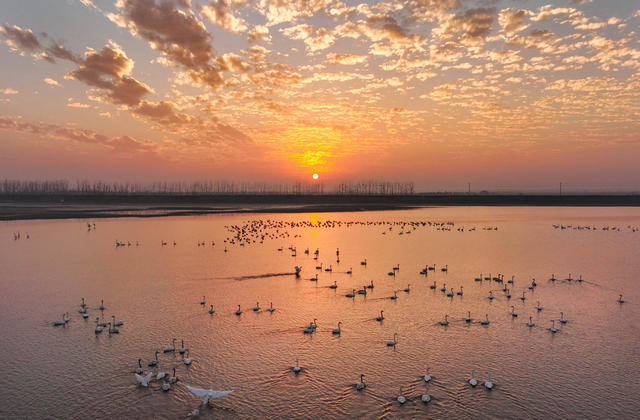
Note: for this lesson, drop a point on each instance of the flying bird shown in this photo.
(207, 393)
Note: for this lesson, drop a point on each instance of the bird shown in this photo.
(459, 293)
(257, 307)
(620, 300)
(473, 381)
(488, 384)
(445, 268)
(160, 376)
(153, 361)
(562, 319)
(444, 287)
(530, 323)
(401, 398)
(485, 321)
(172, 347)
(361, 385)
(425, 398)
(337, 330)
(514, 314)
(394, 297)
(101, 305)
(363, 291)
(181, 350)
(173, 378)
(166, 386)
(450, 293)
(112, 329)
(363, 262)
(334, 285)
(203, 301)
(468, 318)
(117, 322)
(207, 393)
(427, 377)
(144, 380)
(522, 297)
(445, 321)
(553, 328)
(271, 308)
(538, 307)
(393, 342)
(296, 369)
(211, 311)
(187, 360)
(381, 317)
(433, 286)
(370, 286)
(490, 295)
(59, 322)
(238, 312)
(408, 288)
(352, 294)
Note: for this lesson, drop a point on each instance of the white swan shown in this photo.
(207, 393)
(370, 286)
(473, 381)
(187, 360)
(381, 317)
(139, 368)
(271, 308)
(117, 322)
(393, 342)
(361, 385)
(296, 369)
(59, 322)
(181, 350)
(425, 398)
(488, 384)
(101, 305)
(459, 293)
(401, 398)
(112, 329)
(337, 330)
(444, 287)
(173, 379)
(160, 376)
(490, 295)
(433, 286)
(450, 293)
(522, 297)
(154, 361)
(144, 380)
(427, 377)
(166, 386)
(172, 347)
(363, 291)
(538, 307)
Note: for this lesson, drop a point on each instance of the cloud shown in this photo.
(20, 39)
(162, 112)
(347, 59)
(77, 105)
(314, 38)
(470, 27)
(512, 20)
(109, 69)
(259, 33)
(220, 13)
(51, 82)
(8, 91)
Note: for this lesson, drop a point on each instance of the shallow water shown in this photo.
(589, 369)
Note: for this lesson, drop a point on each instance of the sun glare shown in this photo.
(315, 176)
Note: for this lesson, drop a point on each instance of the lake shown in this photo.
(589, 368)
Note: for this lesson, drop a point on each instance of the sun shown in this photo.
(315, 176)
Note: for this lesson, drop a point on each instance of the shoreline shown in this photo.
(85, 206)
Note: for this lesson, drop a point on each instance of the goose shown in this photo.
(459, 293)
(211, 311)
(488, 384)
(361, 385)
(473, 381)
(485, 321)
(337, 330)
(468, 318)
(173, 379)
(408, 288)
(562, 319)
(620, 300)
(334, 285)
(271, 308)
(257, 307)
(144, 380)
(181, 350)
(238, 312)
(427, 377)
(363, 291)
(112, 329)
(296, 369)
(59, 322)
(154, 361)
(514, 314)
(522, 297)
(553, 328)
(394, 297)
(203, 301)
(101, 305)
(433, 286)
(352, 294)
(445, 321)
(160, 376)
(187, 360)
(393, 342)
(450, 293)
(207, 393)
(444, 287)
(172, 347)
(539, 308)
(530, 323)
(401, 398)
(381, 317)
(139, 368)
(370, 286)
(490, 295)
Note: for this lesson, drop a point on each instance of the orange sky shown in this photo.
(503, 94)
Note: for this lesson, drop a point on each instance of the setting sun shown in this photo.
(315, 176)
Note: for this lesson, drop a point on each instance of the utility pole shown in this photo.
(561, 188)
(469, 185)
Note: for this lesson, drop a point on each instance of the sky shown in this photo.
(502, 94)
